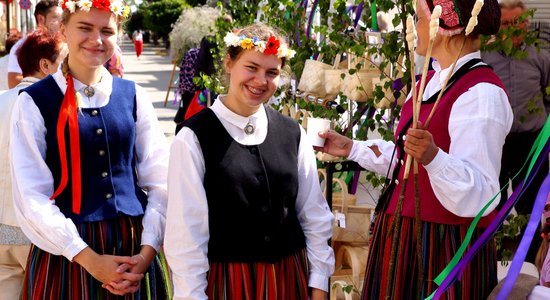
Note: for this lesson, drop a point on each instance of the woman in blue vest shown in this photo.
(459, 161)
(246, 218)
(89, 166)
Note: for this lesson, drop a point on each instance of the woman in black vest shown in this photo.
(89, 166)
(246, 218)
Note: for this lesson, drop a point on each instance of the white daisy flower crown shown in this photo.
(116, 7)
(272, 46)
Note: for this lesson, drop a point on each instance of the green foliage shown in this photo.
(196, 2)
(332, 37)
(503, 40)
(156, 15)
(509, 231)
(135, 22)
(348, 288)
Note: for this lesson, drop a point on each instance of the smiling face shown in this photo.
(254, 77)
(91, 38)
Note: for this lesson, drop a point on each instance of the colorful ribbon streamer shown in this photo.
(68, 114)
(374, 17)
(521, 252)
(455, 268)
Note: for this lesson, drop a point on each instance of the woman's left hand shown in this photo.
(144, 259)
(317, 294)
(419, 144)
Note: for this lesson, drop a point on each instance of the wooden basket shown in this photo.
(350, 265)
(337, 196)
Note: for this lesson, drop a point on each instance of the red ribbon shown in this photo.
(68, 114)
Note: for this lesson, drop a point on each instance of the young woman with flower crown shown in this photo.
(246, 218)
(89, 166)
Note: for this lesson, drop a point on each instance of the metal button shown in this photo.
(104, 174)
(396, 182)
(108, 195)
(401, 161)
(267, 239)
(101, 152)
(99, 131)
(94, 112)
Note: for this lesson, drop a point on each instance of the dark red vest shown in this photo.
(431, 209)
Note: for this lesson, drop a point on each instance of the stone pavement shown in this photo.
(152, 72)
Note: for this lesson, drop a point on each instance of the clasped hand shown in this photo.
(131, 273)
(119, 274)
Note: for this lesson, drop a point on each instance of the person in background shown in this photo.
(47, 13)
(246, 217)
(458, 157)
(10, 41)
(137, 37)
(38, 56)
(114, 64)
(97, 221)
(527, 81)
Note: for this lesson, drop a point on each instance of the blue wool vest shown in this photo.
(107, 138)
(251, 190)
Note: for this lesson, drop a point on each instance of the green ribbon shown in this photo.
(537, 148)
(374, 18)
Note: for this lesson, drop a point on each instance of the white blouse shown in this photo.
(33, 184)
(465, 179)
(187, 235)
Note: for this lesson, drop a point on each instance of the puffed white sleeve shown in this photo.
(315, 217)
(187, 232)
(466, 178)
(152, 169)
(32, 183)
(366, 158)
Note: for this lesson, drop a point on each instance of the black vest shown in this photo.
(251, 190)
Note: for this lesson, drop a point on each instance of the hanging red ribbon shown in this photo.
(68, 114)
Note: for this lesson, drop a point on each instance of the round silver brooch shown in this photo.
(89, 91)
(249, 128)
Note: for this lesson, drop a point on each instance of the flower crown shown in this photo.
(272, 46)
(117, 7)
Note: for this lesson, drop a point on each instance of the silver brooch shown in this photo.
(89, 91)
(249, 128)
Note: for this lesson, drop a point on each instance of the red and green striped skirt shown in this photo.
(283, 280)
(52, 277)
(439, 243)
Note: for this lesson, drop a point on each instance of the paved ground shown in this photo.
(152, 71)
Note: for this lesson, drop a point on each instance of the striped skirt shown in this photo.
(283, 280)
(440, 243)
(54, 277)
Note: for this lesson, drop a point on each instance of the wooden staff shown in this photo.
(396, 222)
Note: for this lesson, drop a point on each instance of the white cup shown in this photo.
(314, 126)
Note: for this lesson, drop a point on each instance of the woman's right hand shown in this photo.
(335, 144)
(104, 267)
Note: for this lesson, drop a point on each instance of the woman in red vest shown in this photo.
(459, 161)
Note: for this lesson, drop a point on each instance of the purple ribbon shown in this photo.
(358, 12)
(521, 252)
